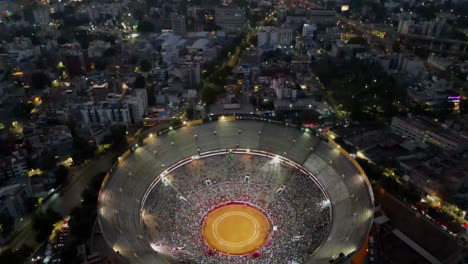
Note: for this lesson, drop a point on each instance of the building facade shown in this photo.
(178, 24)
(230, 19)
(424, 132)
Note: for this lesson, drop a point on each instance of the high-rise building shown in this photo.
(434, 28)
(270, 37)
(41, 15)
(423, 131)
(124, 109)
(308, 31)
(230, 19)
(178, 24)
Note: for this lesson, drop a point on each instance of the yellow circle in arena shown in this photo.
(236, 229)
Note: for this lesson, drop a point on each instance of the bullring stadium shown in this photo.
(231, 190)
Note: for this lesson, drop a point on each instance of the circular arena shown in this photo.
(237, 191)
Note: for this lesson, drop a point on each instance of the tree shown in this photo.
(145, 65)
(357, 41)
(43, 223)
(396, 47)
(145, 26)
(82, 150)
(48, 161)
(427, 11)
(310, 116)
(119, 136)
(61, 175)
(140, 82)
(6, 225)
(464, 106)
(443, 109)
(23, 109)
(82, 217)
(176, 123)
(62, 40)
(110, 52)
(209, 95)
(190, 113)
(19, 256)
(150, 95)
(39, 80)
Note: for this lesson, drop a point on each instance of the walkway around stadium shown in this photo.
(338, 174)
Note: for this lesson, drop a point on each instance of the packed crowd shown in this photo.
(292, 201)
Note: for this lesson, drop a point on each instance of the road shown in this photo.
(67, 198)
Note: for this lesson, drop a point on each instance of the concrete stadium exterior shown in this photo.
(123, 191)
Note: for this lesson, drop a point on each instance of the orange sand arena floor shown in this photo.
(236, 229)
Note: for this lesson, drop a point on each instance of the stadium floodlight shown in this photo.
(155, 247)
(324, 204)
(276, 159)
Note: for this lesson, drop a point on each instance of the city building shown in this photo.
(308, 32)
(13, 169)
(268, 37)
(124, 109)
(434, 28)
(178, 24)
(41, 15)
(271, 37)
(230, 19)
(12, 207)
(423, 131)
(317, 16)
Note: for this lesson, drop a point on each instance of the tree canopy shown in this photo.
(146, 26)
(39, 80)
(362, 88)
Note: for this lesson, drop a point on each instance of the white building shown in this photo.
(308, 31)
(270, 37)
(138, 102)
(283, 89)
(189, 73)
(125, 109)
(423, 132)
